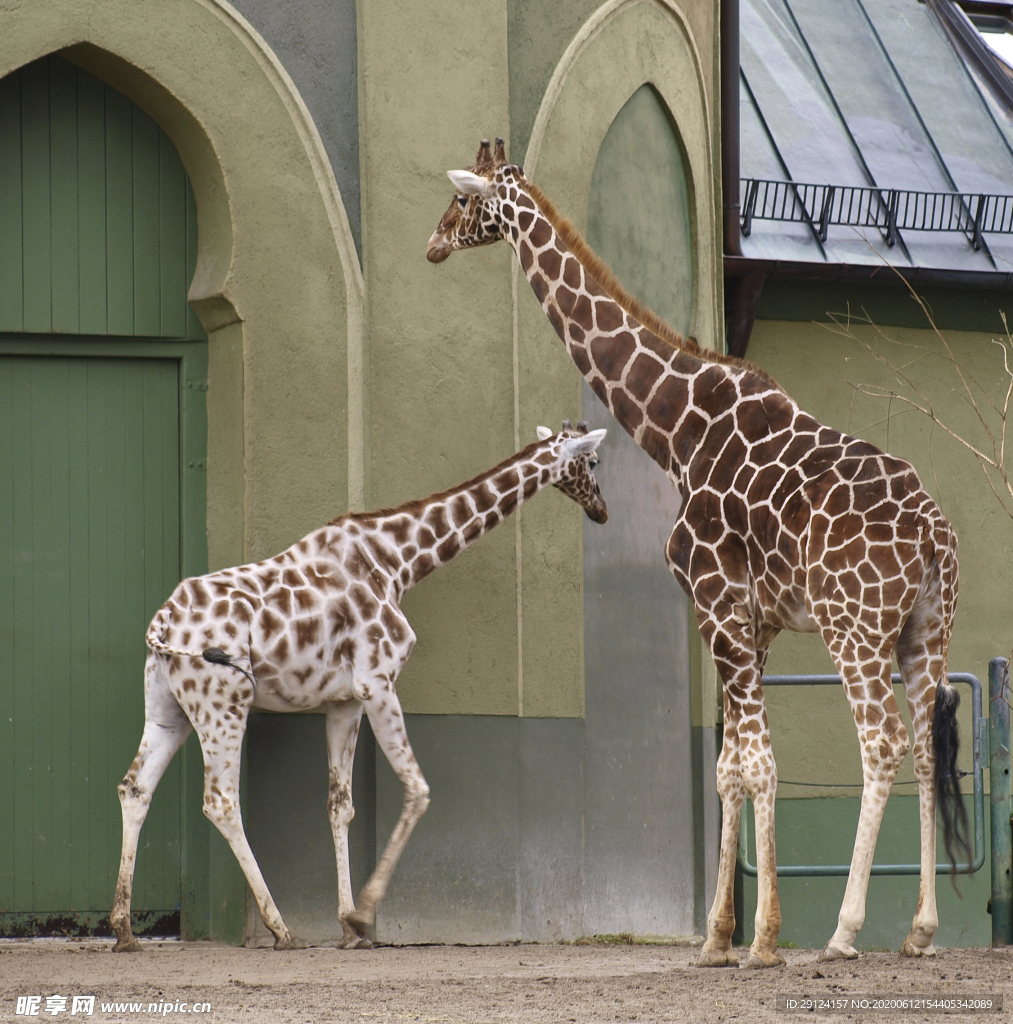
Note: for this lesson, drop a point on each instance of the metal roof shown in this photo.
(870, 97)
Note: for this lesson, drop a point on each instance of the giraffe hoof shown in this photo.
(361, 921)
(290, 943)
(352, 939)
(717, 958)
(831, 953)
(910, 949)
(127, 945)
(763, 959)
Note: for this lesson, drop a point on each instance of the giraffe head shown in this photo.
(482, 210)
(576, 451)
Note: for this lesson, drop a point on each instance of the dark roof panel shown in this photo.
(869, 93)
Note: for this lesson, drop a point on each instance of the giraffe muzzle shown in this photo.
(597, 515)
(438, 248)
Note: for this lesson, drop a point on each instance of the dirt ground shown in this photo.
(472, 985)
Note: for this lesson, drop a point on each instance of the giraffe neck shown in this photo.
(432, 531)
(628, 366)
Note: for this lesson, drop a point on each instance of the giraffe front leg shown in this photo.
(342, 732)
(387, 722)
(717, 948)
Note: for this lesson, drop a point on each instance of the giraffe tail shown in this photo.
(156, 630)
(948, 796)
(945, 734)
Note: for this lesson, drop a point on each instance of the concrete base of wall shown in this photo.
(502, 854)
(285, 814)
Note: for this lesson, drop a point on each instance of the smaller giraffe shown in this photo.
(319, 624)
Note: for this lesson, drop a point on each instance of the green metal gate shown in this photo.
(103, 371)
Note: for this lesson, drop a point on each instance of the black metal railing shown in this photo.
(889, 210)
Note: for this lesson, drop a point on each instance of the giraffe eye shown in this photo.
(592, 464)
(462, 201)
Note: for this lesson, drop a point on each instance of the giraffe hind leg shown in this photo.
(884, 744)
(166, 728)
(717, 948)
(921, 655)
(222, 809)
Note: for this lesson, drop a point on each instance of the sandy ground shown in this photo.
(473, 985)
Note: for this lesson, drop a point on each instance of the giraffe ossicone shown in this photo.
(785, 524)
(319, 624)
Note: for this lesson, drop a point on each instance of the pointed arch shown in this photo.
(640, 42)
(277, 286)
(624, 45)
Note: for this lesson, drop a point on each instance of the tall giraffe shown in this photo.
(785, 524)
(319, 624)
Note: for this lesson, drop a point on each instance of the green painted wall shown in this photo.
(538, 33)
(636, 652)
(823, 831)
(638, 218)
(639, 41)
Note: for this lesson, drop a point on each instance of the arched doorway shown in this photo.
(637, 662)
(103, 374)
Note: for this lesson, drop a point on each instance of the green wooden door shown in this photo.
(89, 520)
(102, 494)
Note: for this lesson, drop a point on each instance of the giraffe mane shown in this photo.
(413, 507)
(609, 283)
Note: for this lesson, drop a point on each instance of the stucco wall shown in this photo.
(276, 275)
(439, 360)
(328, 388)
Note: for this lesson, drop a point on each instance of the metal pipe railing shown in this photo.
(979, 760)
(1001, 903)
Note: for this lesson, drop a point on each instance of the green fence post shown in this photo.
(999, 767)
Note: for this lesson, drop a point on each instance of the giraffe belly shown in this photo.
(780, 607)
(794, 617)
(288, 692)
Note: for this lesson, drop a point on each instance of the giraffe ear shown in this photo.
(470, 184)
(543, 433)
(586, 444)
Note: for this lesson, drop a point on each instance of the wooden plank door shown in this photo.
(98, 244)
(89, 521)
